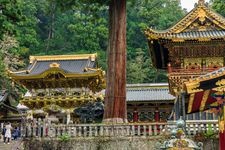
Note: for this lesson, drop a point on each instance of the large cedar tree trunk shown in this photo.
(115, 100)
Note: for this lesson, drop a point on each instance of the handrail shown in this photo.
(128, 129)
(192, 71)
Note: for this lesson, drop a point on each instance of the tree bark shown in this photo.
(115, 100)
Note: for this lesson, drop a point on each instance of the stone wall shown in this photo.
(103, 143)
(97, 143)
(211, 144)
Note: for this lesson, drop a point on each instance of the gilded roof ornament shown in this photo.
(201, 24)
(202, 15)
(201, 2)
(54, 65)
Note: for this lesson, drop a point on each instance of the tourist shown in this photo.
(8, 132)
(15, 133)
(3, 133)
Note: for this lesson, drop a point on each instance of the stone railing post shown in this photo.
(138, 130)
(133, 130)
(101, 131)
(96, 131)
(90, 131)
(194, 129)
(106, 131)
(150, 130)
(85, 131)
(155, 129)
(128, 130)
(188, 129)
(79, 131)
(121, 131)
(215, 127)
(199, 127)
(69, 130)
(75, 131)
(144, 130)
(160, 129)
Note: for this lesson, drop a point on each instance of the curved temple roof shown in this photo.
(61, 71)
(67, 65)
(201, 24)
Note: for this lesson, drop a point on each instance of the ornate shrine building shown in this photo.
(153, 103)
(149, 102)
(58, 84)
(192, 47)
(8, 109)
(193, 50)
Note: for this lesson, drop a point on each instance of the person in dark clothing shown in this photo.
(3, 134)
(15, 133)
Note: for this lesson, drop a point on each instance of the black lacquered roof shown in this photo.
(192, 35)
(70, 65)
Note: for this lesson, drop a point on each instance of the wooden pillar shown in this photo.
(115, 100)
(169, 68)
(157, 117)
(222, 140)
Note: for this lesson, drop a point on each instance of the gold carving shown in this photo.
(214, 62)
(201, 15)
(191, 101)
(221, 86)
(221, 126)
(192, 63)
(54, 65)
(63, 57)
(204, 99)
(193, 87)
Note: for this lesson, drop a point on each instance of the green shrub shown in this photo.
(64, 137)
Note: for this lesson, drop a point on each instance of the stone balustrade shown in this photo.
(110, 130)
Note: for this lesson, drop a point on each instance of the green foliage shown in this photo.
(203, 136)
(160, 14)
(219, 6)
(210, 134)
(8, 45)
(10, 16)
(64, 137)
(81, 26)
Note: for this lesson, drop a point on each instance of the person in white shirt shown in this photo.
(8, 134)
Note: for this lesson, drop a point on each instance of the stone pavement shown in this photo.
(12, 146)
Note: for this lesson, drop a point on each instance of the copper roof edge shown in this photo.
(148, 85)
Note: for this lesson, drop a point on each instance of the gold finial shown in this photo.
(201, 1)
